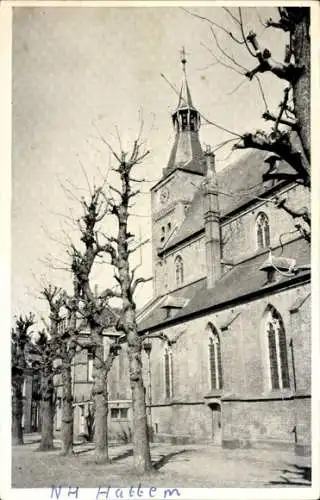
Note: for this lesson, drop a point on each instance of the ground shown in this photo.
(176, 466)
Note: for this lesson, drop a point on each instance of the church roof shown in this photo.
(242, 280)
(238, 183)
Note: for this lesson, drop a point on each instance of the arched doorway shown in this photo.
(216, 422)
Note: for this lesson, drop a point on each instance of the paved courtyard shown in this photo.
(183, 466)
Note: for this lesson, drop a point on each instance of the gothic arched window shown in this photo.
(215, 363)
(179, 270)
(277, 350)
(263, 230)
(168, 373)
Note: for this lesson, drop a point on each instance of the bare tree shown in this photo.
(93, 310)
(20, 342)
(118, 250)
(64, 333)
(289, 138)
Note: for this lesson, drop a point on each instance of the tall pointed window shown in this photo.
(179, 270)
(215, 363)
(263, 230)
(168, 374)
(277, 350)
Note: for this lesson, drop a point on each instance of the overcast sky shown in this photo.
(75, 69)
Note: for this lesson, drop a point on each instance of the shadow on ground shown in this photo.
(125, 454)
(166, 458)
(294, 475)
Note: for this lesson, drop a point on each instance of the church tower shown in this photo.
(173, 193)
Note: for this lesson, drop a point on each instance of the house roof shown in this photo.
(109, 317)
(238, 184)
(242, 280)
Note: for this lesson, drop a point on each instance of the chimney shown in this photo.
(211, 221)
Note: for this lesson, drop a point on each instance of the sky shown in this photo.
(80, 70)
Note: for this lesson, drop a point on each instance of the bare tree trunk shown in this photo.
(67, 410)
(100, 395)
(47, 417)
(300, 40)
(140, 438)
(142, 458)
(47, 407)
(17, 411)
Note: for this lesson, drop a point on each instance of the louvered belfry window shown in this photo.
(263, 230)
(179, 270)
(215, 361)
(278, 355)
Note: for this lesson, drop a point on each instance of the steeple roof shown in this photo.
(185, 100)
(186, 152)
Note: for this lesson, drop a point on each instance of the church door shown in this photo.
(216, 422)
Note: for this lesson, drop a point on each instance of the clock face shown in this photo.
(164, 195)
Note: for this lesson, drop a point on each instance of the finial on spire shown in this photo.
(183, 58)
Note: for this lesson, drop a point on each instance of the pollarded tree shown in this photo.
(119, 249)
(93, 310)
(20, 344)
(63, 334)
(289, 138)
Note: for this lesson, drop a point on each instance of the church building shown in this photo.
(227, 354)
(228, 357)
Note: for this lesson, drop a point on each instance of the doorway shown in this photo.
(216, 422)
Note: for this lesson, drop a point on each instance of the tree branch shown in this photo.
(290, 123)
(278, 143)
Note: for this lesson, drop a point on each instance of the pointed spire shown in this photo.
(185, 100)
(186, 151)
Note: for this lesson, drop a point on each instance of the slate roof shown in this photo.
(242, 280)
(159, 314)
(185, 100)
(188, 142)
(238, 183)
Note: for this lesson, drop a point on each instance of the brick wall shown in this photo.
(245, 372)
(173, 212)
(239, 235)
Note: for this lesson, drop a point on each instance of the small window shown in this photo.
(179, 270)
(169, 226)
(123, 412)
(114, 412)
(263, 230)
(119, 413)
(163, 231)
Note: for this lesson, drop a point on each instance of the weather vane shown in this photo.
(183, 58)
